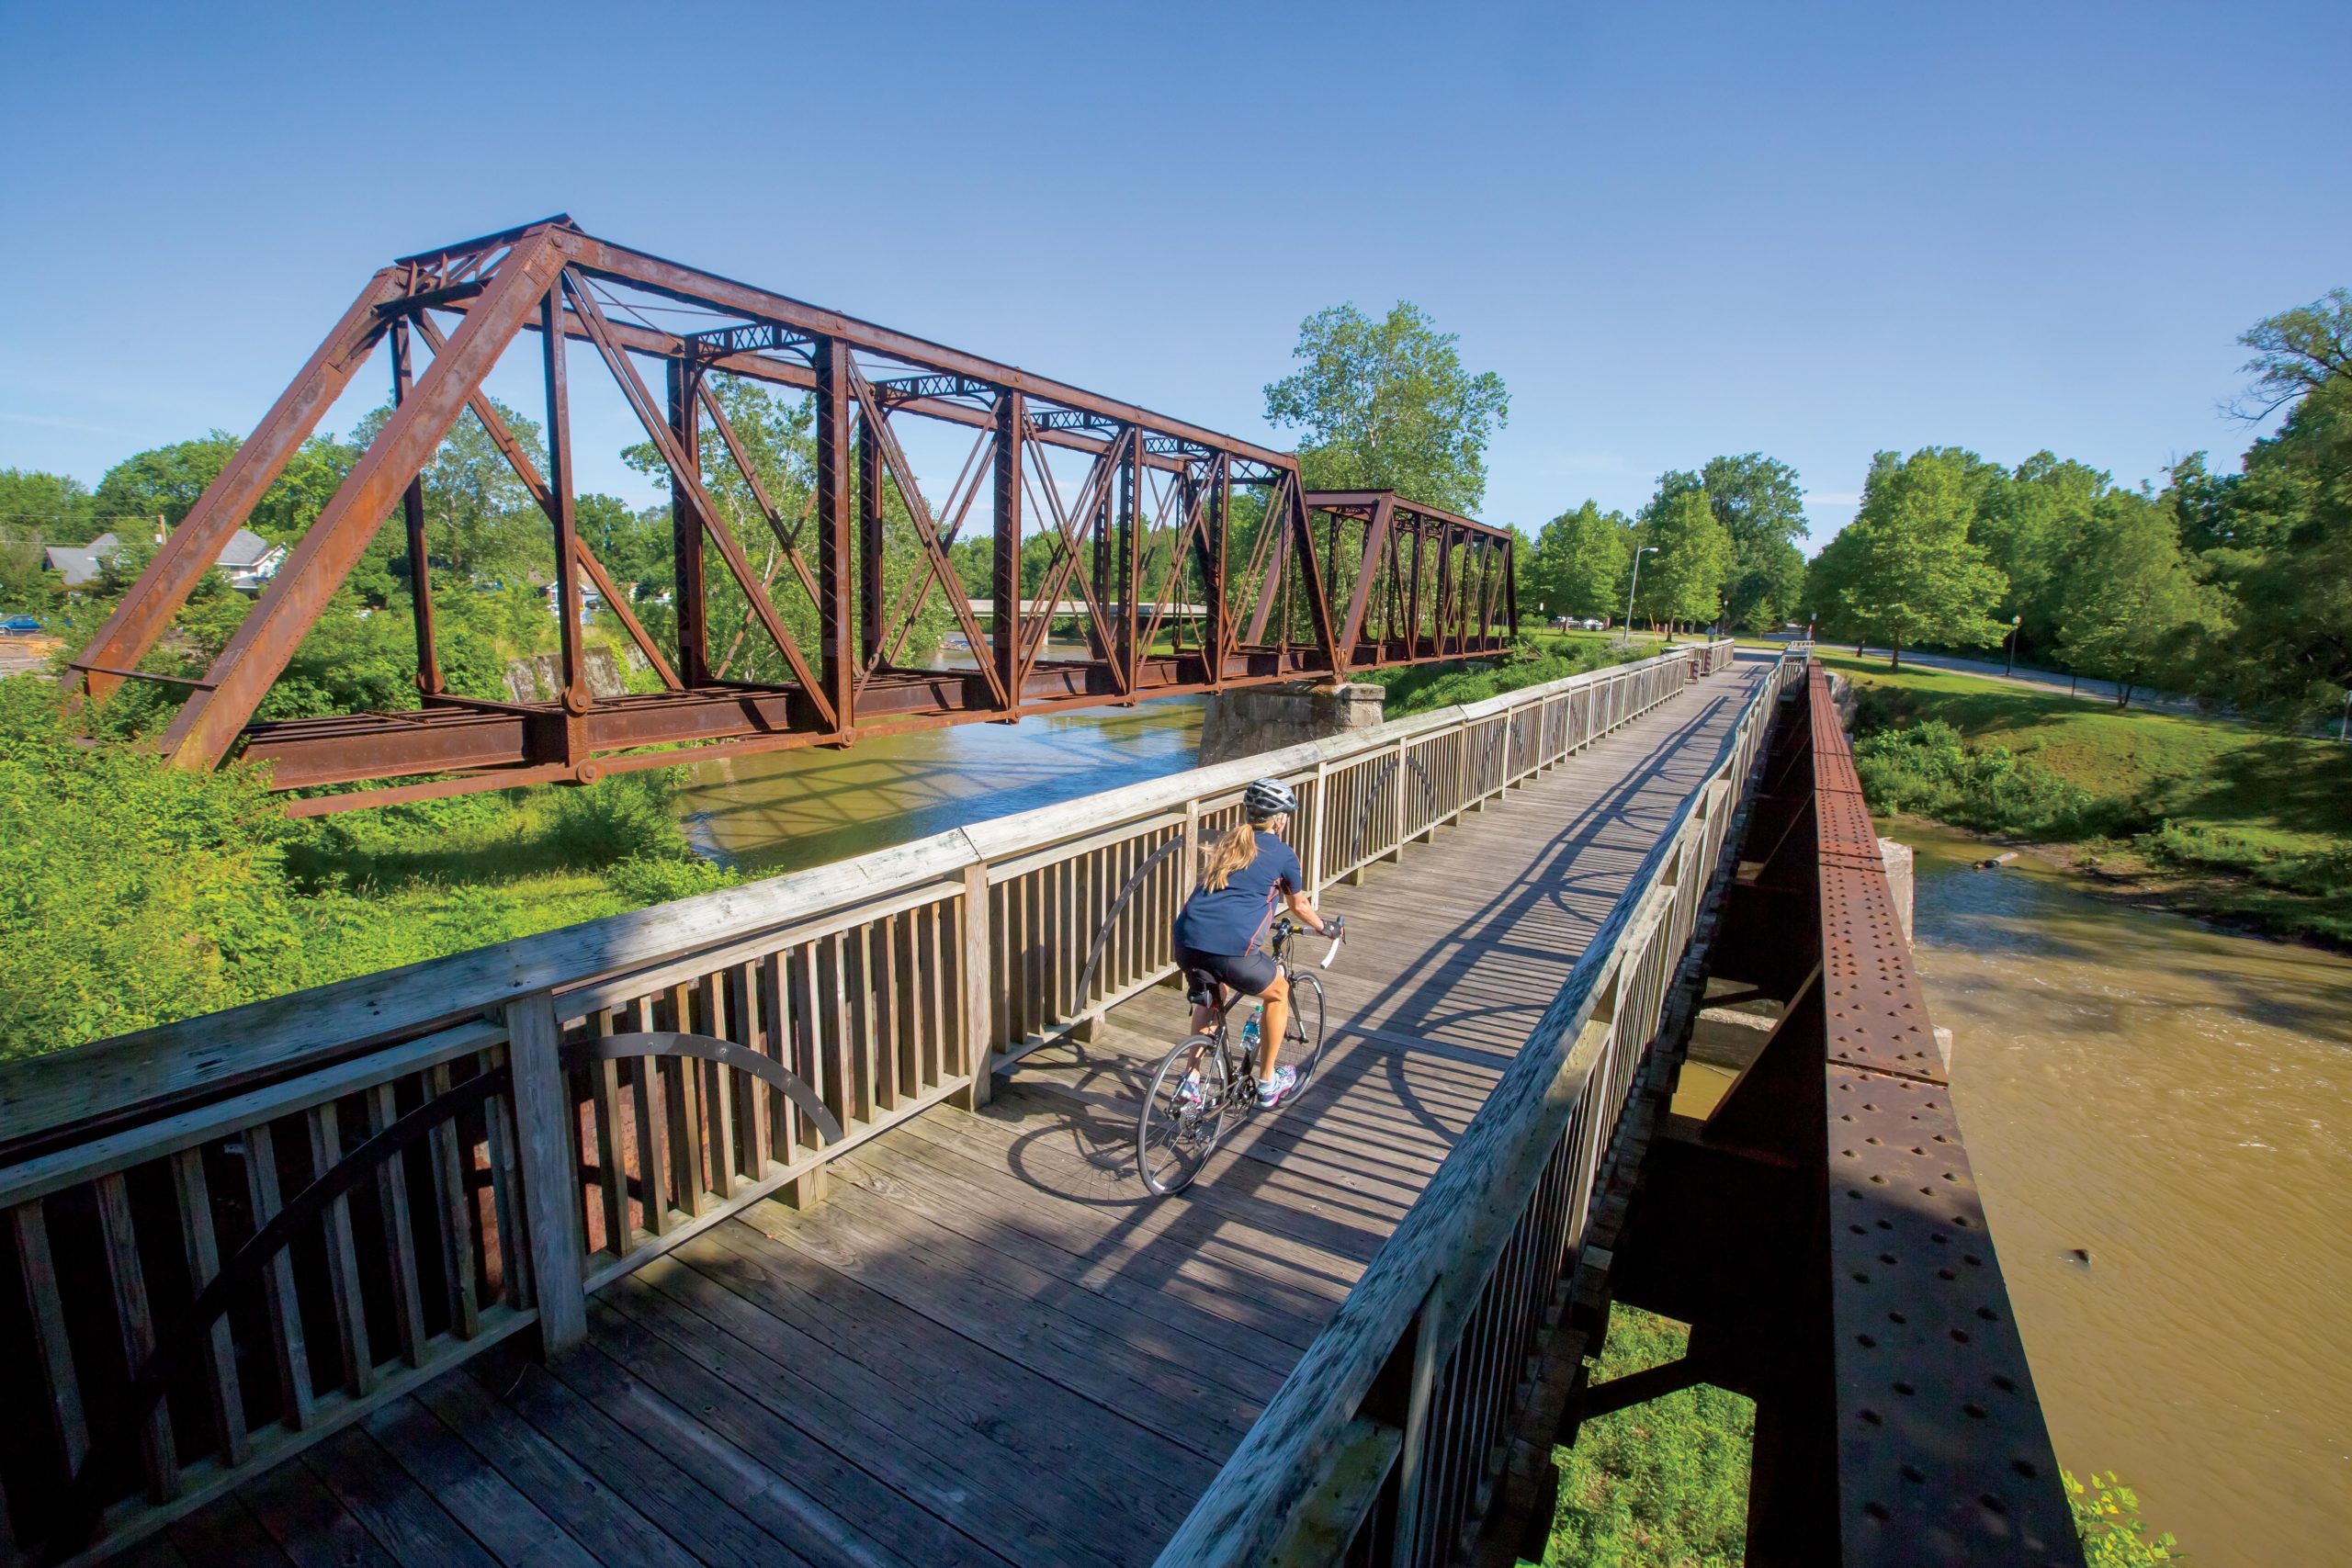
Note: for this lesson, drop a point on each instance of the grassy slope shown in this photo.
(2248, 808)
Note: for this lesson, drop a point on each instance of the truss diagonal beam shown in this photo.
(211, 720)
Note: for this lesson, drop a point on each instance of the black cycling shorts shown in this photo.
(1251, 971)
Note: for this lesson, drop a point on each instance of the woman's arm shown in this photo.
(1303, 907)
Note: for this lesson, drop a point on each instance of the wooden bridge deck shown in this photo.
(988, 1346)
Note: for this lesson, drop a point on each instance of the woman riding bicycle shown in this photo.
(1246, 879)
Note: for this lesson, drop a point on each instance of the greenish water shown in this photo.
(783, 810)
(2170, 1098)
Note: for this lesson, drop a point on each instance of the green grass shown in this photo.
(1662, 1484)
(2225, 819)
(1535, 660)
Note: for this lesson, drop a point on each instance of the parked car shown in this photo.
(20, 626)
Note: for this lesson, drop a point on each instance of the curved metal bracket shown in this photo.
(709, 1048)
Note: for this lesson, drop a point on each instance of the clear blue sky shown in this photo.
(1674, 231)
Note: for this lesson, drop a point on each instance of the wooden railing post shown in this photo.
(550, 1170)
(978, 1028)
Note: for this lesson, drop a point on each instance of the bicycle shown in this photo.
(1208, 1081)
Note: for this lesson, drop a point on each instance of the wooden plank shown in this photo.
(225, 1534)
(44, 1306)
(500, 1516)
(550, 1171)
(225, 1399)
(281, 1307)
(135, 1326)
(453, 1212)
(845, 1501)
(896, 1435)
(413, 1529)
(309, 1526)
(391, 1188)
(342, 1258)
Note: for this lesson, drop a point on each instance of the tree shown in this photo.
(1578, 563)
(1684, 581)
(51, 509)
(1760, 503)
(2032, 524)
(478, 515)
(2290, 654)
(1906, 571)
(2299, 352)
(1388, 405)
(165, 482)
(2130, 601)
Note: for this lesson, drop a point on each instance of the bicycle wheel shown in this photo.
(1180, 1124)
(1303, 1036)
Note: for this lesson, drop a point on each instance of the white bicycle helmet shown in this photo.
(1267, 799)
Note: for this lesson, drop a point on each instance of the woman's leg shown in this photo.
(1269, 1034)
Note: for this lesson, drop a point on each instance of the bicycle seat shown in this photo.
(1200, 988)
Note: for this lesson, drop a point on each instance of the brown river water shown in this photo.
(2171, 1099)
(2167, 1097)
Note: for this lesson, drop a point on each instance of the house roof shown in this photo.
(79, 564)
(243, 549)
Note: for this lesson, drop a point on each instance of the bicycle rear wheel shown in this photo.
(1303, 1034)
(1183, 1116)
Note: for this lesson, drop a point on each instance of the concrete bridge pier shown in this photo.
(1266, 719)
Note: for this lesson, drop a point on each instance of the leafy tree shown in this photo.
(1684, 581)
(47, 508)
(1905, 571)
(1578, 563)
(477, 516)
(2298, 352)
(2032, 524)
(2129, 603)
(1761, 503)
(1388, 404)
(165, 482)
(634, 546)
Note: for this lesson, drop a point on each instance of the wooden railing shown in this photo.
(1387, 1440)
(230, 1236)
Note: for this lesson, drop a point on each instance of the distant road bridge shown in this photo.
(1162, 532)
(474, 1262)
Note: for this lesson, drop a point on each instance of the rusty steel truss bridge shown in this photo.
(1201, 561)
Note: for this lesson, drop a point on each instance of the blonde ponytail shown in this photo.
(1230, 854)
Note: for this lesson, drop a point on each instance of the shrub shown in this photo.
(130, 892)
(1924, 768)
(2106, 1516)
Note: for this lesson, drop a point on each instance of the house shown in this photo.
(79, 564)
(250, 561)
(247, 561)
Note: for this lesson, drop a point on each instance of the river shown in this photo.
(779, 811)
(2170, 1099)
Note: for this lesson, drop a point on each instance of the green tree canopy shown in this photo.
(1684, 581)
(2128, 607)
(1578, 565)
(1905, 571)
(1388, 404)
(53, 507)
(1760, 503)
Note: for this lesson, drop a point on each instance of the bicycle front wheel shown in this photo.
(1183, 1116)
(1303, 1034)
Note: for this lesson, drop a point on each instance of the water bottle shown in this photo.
(1250, 1036)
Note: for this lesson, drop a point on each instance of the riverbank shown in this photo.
(2248, 830)
(1537, 658)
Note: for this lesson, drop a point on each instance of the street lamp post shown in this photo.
(1626, 641)
(2343, 725)
(2009, 668)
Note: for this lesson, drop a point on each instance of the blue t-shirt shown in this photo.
(1233, 918)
